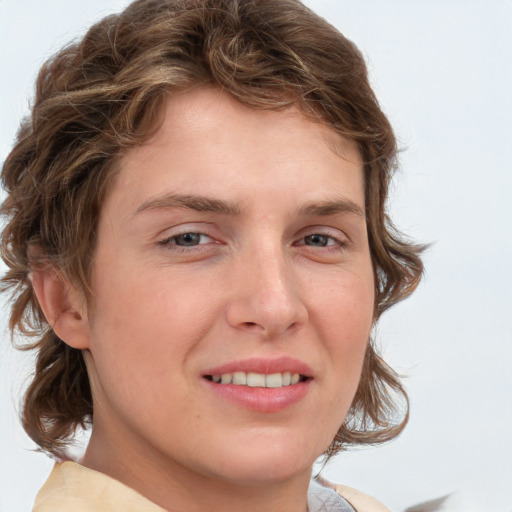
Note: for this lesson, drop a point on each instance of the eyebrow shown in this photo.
(190, 202)
(206, 204)
(325, 208)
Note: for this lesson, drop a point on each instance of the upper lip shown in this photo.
(262, 365)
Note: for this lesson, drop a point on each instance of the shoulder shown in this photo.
(324, 495)
(74, 487)
(360, 501)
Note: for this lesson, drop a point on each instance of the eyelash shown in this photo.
(169, 242)
(336, 245)
(332, 243)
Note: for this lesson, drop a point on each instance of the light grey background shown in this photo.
(442, 70)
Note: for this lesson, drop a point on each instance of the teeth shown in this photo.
(257, 380)
(274, 381)
(239, 378)
(226, 378)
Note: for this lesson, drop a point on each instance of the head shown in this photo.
(104, 97)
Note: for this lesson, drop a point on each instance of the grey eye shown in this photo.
(317, 240)
(187, 239)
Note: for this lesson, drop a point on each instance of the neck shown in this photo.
(176, 488)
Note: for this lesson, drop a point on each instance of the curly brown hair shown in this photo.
(101, 96)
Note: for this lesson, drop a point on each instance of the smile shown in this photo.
(266, 385)
(258, 380)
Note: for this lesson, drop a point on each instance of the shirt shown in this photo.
(74, 488)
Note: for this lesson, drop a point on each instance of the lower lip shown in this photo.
(262, 399)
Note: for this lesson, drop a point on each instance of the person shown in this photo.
(198, 245)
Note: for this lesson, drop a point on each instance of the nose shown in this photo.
(265, 298)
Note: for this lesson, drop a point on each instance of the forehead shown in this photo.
(208, 137)
(208, 112)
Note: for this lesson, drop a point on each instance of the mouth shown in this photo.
(258, 380)
(259, 384)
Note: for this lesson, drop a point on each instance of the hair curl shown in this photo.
(100, 96)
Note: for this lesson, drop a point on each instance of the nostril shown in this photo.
(250, 324)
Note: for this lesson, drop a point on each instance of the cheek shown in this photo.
(344, 324)
(345, 320)
(347, 305)
(148, 323)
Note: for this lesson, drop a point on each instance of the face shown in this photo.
(234, 293)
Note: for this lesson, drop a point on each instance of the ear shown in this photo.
(63, 306)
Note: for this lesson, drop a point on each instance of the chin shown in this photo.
(269, 460)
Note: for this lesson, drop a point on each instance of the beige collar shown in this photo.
(71, 487)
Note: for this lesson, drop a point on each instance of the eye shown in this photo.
(318, 240)
(321, 240)
(190, 239)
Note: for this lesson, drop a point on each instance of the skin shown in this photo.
(282, 269)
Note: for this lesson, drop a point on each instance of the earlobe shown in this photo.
(63, 306)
